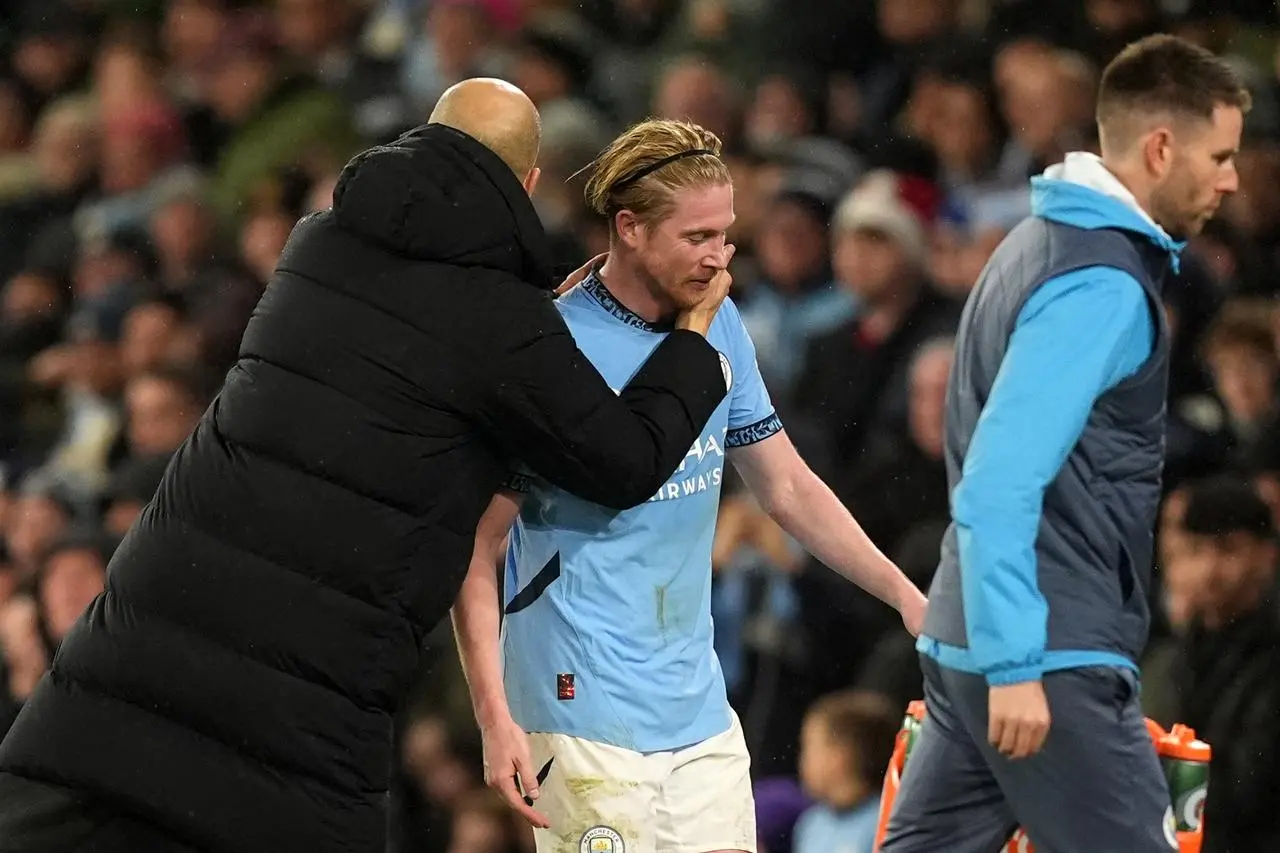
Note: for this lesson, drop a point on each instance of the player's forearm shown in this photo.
(476, 626)
(808, 510)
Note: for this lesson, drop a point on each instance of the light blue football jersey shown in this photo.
(607, 634)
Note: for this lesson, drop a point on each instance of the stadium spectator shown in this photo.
(1227, 688)
(845, 746)
(854, 379)
(1241, 355)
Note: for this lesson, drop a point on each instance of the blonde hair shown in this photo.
(642, 169)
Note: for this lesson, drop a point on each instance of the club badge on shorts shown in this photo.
(727, 370)
(601, 839)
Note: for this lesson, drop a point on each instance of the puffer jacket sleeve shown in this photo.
(549, 408)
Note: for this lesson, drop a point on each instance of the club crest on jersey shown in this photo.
(601, 839)
(727, 370)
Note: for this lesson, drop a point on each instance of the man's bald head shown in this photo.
(496, 114)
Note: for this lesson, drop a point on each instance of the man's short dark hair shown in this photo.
(1164, 74)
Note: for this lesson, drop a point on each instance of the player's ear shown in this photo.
(628, 226)
(1157, 149)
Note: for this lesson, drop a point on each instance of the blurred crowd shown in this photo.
(154, 155)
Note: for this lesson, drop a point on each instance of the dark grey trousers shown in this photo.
(36, 817)
(1095, 787)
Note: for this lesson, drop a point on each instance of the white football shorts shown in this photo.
(604, 799)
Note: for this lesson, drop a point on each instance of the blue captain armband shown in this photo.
(754, 433)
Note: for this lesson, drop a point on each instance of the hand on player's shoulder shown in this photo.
(579, 275)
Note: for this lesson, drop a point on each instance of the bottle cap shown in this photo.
(1181, 743)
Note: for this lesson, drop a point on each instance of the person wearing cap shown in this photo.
(233, 689)
(606, 655)
(854, 380)
(1229, 654)
(1056, 425)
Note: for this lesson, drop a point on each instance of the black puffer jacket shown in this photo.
(235, 683)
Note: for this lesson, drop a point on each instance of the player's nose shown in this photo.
(713, 258)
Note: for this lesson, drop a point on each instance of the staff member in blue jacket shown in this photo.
(1056, 419)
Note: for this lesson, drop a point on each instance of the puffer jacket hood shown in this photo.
(437, 194)
(1081, 192)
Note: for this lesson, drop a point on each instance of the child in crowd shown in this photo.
(845, 746)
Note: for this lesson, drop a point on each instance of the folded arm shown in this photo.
(1076, 337)
(549, 407)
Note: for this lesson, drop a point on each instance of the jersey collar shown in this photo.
(594, 287)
